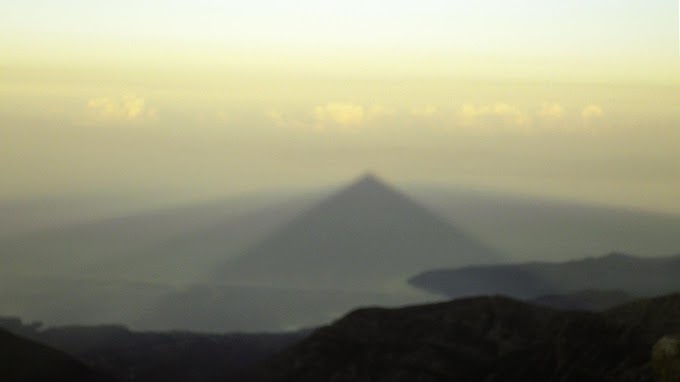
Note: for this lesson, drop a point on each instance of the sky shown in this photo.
(577, 100)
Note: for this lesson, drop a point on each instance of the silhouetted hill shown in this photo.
(158, 357)
(474, 339)
(591, 299)
(367, 235)
(634, 275)
(22, 360)
(654, 317)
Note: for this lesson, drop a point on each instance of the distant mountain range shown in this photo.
(481, 339)
(636, 276)
(367, 236)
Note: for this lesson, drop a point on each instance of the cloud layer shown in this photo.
(333, 115)
(126, 108)
(551, 110)
(498, 113)
(592, 111)
(424, 111)
(342, 114)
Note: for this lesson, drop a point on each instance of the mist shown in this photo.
(321, 190)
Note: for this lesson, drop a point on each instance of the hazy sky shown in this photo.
(576, 99)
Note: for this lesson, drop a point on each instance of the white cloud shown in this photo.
(551, 110)
(128, 108)
(342, 114)
(470, 115)
(223, 117)
(333, 115)
(379, 111)
(592, 111)
(424, 111)
(282, 121)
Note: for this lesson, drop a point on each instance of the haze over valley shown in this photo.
(308, 190)
(296, 260)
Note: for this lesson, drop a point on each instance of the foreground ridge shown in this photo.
(491, 338)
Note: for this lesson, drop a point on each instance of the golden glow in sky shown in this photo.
(576, 99)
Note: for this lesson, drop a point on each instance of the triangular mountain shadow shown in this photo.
(367, 235)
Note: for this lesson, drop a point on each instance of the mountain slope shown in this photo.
(22, 360)
(157, 356)
(654, 317)
(634, 275)
(589, 299)
(366, 235)
(475, 339)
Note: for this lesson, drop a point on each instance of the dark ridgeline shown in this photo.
(367, 235)
(474, 339)
(131, 356)
(481, 339)
(22, 360)
(637, 276)
(590, 299)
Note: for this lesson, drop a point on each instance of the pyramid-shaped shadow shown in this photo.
(367, 235)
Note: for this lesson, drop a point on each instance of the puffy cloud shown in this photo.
(378, 111)
(283, 121)
(276, 118)
(333, 115)
(343, 114)
(504, 113)
(424, 111)
(128, 107)
(223, 117)
(551, 110)
(592, 111)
